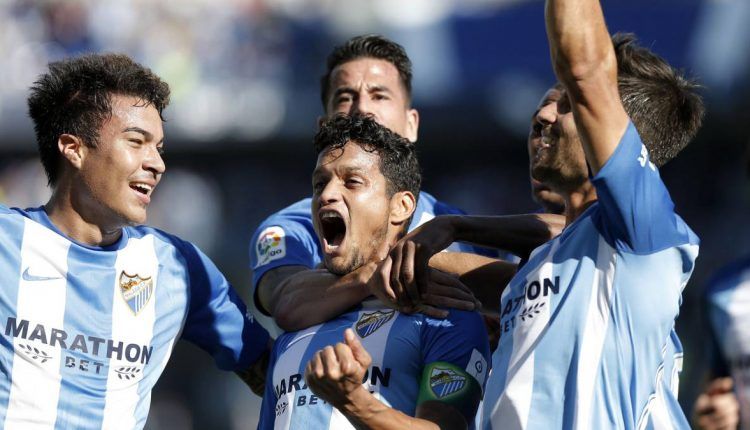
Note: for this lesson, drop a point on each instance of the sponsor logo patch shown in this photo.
(369, 322)
(136, 290)
(444, 382)
(271, 245)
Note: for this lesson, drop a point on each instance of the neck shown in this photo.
(75, 220)
(577, 201)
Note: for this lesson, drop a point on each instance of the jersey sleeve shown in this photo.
(456, 359)
(636, 212)
(282, 240)
(218, 321)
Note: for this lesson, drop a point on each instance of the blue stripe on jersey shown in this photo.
(399, 350)
(10, 267)
(304, 416)
(167, 322)
(84, 381)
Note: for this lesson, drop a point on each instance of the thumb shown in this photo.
(720, 386)
(358, 351)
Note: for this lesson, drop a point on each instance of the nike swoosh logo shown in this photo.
(29, 277)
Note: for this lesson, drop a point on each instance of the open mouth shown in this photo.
(333, 228)
(142, 188)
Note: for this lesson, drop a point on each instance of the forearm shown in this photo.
(578, 38)
(312, 297)
(519, 234)
(486, 277)
(585, 63)
(364, 411)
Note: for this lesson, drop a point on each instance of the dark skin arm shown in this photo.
(255, 375)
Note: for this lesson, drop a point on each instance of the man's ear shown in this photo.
(412, 125)
(403, 204)
(71, 149)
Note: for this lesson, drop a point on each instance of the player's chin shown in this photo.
(337, 265)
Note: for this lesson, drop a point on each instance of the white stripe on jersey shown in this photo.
(378, 337)
(512, 411)
(595, 331)
(137, 258)
(35, 385)
(286, 367)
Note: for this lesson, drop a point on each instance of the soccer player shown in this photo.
(366, 75)
(588, 338)
(395, 370)
(92, 302)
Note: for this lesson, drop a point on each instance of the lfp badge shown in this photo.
(444, 382)
(369, 322)
(136, 290)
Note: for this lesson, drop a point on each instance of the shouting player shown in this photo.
(92, 302)
(419, 372)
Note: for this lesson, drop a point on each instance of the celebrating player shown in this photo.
(92, 302)
(366, 75)
(418, 372)
(588, 338)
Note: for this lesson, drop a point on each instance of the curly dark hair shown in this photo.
(75, 97)
(665, 106)
(398, 156)
(367, 46)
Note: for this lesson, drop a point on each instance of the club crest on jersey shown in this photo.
(136, 290)
(444, 382)
(271, 245)
(369, 322)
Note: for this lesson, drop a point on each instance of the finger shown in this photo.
(358, 351)
(395, 275)
(330, 363)
(432, 311)
(346, 360)
(316, 365)
(408, 271)
(383, 278)
(449, 280)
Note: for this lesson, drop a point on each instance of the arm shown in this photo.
(336, 373)
(585, 63)
(486, 277)
(255, 375)
(298, 297)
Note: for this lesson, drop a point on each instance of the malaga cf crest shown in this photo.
(369, 322)
(444, 382)
(136, 290)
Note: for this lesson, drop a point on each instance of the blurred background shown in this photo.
(244, 76)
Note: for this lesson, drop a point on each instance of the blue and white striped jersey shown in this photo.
(588, 336)
(401, 347)
(728, 299)
(86, 331)
(287, 238)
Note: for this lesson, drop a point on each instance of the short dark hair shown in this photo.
(75, 97)
(664, 105)
(367, 46)
(398, 156)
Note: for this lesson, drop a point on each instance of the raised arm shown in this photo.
(584, 61)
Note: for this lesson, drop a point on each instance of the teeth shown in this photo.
(546, 141)
(326, 215)
(143, 187)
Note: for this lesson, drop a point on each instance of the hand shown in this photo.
(335, 373)
(717, 408)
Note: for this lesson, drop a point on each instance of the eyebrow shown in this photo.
(146, 135)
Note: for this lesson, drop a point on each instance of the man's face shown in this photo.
(350, 207)
(120, 173)
(372, 86)
(556, 157)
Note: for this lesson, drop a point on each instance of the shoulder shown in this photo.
(428, 203)
(163, 240)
